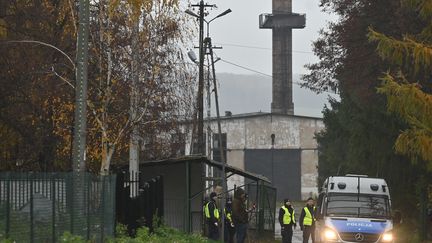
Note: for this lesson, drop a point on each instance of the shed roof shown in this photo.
(203, 159)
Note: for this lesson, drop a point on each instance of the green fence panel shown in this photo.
(40, 207)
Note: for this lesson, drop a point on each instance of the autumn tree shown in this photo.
(34, 101)
(37, 82)
(145, 78)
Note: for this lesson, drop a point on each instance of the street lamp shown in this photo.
(192, 56)
(188, 11)
(219, 15)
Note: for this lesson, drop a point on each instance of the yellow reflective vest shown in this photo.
(228, 215)
(287, 216)
(207, 211)
(309, 218)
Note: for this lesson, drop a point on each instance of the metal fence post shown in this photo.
(423, 208)
(31, 209)
(261, 208)
(187, 201)
(88, 205)
(53, 198)
(113, 183)
(8, 206)
(103, 209)
(71, 199)
(160, 197)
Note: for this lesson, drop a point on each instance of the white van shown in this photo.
(354, 208)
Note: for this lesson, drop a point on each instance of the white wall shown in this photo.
(291, 132)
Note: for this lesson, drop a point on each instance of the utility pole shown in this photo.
(209, 130)
(201, 81)
(80, 121)
(204, 45)
(133, 112)
(221, 150)
(200, 97)
(79, 145)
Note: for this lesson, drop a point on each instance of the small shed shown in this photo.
(186, 185)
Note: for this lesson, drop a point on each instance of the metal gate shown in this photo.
(262, 219)
(138, 202)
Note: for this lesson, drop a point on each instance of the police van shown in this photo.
(354, 208)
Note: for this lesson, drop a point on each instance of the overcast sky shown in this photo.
(240, 27)
(246, 45)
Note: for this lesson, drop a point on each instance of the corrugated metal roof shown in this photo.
(203, 159)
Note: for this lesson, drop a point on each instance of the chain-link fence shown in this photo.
(40, 207)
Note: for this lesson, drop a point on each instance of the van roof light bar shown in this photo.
(354, 175)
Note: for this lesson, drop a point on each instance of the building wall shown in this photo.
(174, 179)
(291, 132)
(235, 158)
(309, 168)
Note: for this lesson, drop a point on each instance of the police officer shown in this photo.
(229, 224)
(307, 221)
(212, 216)
(287, 221)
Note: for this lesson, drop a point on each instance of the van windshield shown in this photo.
(361, 206)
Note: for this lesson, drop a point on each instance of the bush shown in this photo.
(160, 234)
(70, 238)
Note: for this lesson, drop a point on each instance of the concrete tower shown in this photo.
(282, 20)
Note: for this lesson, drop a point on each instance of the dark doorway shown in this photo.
(281, 166)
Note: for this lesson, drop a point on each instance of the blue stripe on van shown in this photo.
(359, 226)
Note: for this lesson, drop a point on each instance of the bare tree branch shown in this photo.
(44, 44)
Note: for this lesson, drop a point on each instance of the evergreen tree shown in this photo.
(360, 133)
(407, 87)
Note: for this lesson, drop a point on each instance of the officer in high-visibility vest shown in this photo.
(211, 213)
(229, 224)
(287, 221)
(307, 221)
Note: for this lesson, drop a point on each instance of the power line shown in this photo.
(252, 70)
(246, 68)
(264, 74)
(245, 46)
(260, 48)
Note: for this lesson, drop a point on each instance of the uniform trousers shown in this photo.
(287, 233)
(308, 231)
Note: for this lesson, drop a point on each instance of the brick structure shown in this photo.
(282, 20)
